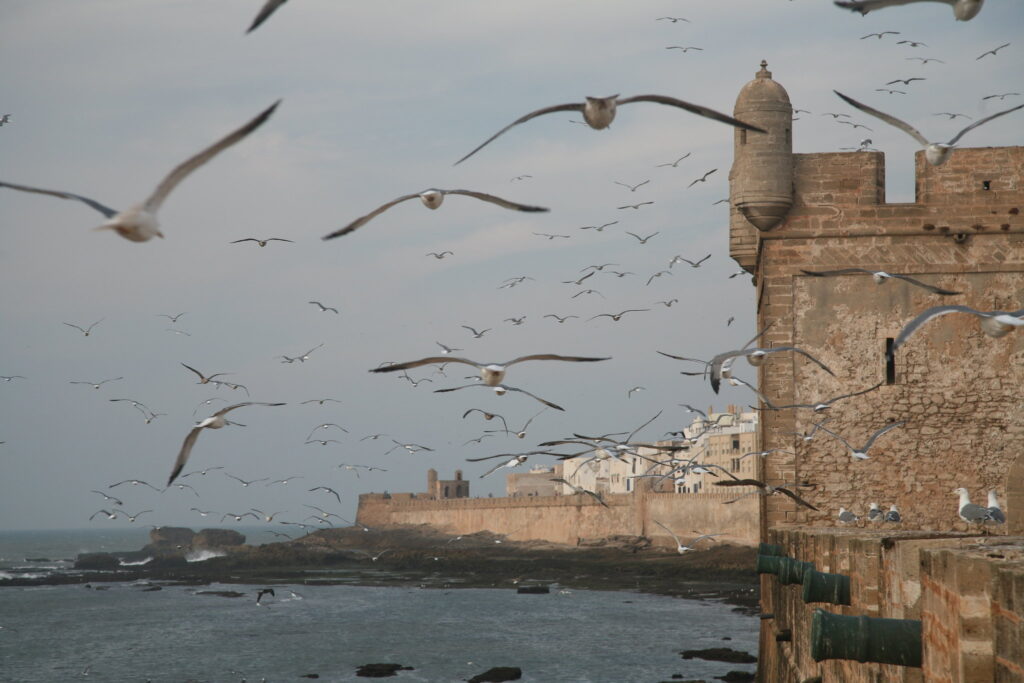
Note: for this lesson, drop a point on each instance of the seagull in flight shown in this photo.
(905, 81)
(599, 228)
(550, 236)
(766, 489)
(269, 7)
(693, 264)
(642, 240)
(579, 490)
(632, 188)
(432, 199)
(935, 152)
(172, 318)
(862, 452)
(97, 385)
(87, 331)
(816, 407)
(680, 548)
(327, 489)
(447, 349)
(702, 179)
(490, 416)
(880, 277)
(673, 164)
(992, 51)
(560, 318)
(599, 112)
(441, 255)
(135, 482)
(993, 323)
(502, 389)
(323, 309)
(911, 43)
(476, 334)
(634, 206)
(138, 223)
(684, 48)
(721, 364)
(674, 20)
(492, 374)
(262, 242)
(245, 484)
(203, 379)
(616, 317)
(880, 35)
(215, 421)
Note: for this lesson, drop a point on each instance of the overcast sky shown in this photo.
(379, 100)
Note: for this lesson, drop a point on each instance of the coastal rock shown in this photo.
(380, 670)
(97, 561)
(171, 536)
(222, 594)
(217, 538)
(498, 674)
(720, 654)
(736, 677)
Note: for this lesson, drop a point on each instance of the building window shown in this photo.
(743, 136)
(735, 444)
(890, 362)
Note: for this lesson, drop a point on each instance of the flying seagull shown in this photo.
(993, 323)
(323, 309)
(97, 385)
(579, 490)
(215, 421)
(680, 548)
(880, 277)
(501, 390)
(432, 199)
(492, 374)
(992, 51)
(703, 178)
(862, 452)
(138, 223)
(262, 242)
(599, 112)
(880, 35)
(269, 7)
(766, 489)
(203, 379)
(963, 10)
(721, 365)
(87, 331)
(935, 152)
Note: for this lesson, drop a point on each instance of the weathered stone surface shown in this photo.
(736, 677)
(498, 674)
(218, 538)
(171, 536)
(97, 561)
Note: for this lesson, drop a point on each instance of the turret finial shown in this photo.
(764, 72)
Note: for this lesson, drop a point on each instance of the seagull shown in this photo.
(521, 434)
(502, 389)
(862, 452)
(766, 490)
(579, 282)
(263, 242)
(116, 501)
(492, 374)
(658, 274)
(323, 309)
(550, 236)
(8, 378)
(325, 426)
(693, 264)
(201, 472)
(673, 164)
(328, 489)
(680, 548)
(1001, 97)
(215, 421)
(995, 513)
(599, 228)
(703, 178)
(935, 152)
(514, 462)
(238, 518)
(904, 81)
(846, 516)
(993, 323)
(6, 118)
(617, 316)
(149, 415)
(763, 454)
(410, 447)
(642, 240)
(87, 331)
(269, 7)
(579, 490)
(911, 43)
(893, 515)
(629, 394)
(110, 515)
(138, 223)
(880, 277)
(992, 51)
(816, 407)
(245, 484)
(476, 335)
(203, 379)
(515, 321)
(888, 91)
(925, 60)
(520, 177)
(283, 482)
(97, 385)
(969, 512)
(858, 125)
(721, 365)
(880, 35)
(668, 304)
(263, 591)
(599, 112)
(172, 318)
(305, 356)
(634, 206)
(182, 487)
(632, 188)
(441, 255)
(560, 319)
(809, 436)
(432, 199)
(322, 442)
(684, 48)
(132, 518)
(513, 281)
(835, 116)
(135, 482)
(951, 115)
(673, 19)
(414, 382)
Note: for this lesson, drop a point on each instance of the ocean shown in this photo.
(142, 631)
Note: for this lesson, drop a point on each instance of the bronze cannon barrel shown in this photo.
(865, 639)
(830, 588)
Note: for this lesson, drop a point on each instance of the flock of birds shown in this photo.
(138, 223)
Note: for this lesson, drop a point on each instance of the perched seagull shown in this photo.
(215, 421)
(993, 323)
(880, 277)
(97, 385)
(875, 513)
(632, 188)
(642, 240)
(721, 365)
(87, 331)
(880, 35)
(579, 490)
(969, 512)
(680, 548)
(995, 513)
(502, 389)
(492, 374)
(560, 318)
(474, 332)
(432, 199)
(617, 316)
(599, 112)
(862, 452)
(263, 242)
(766, 490)
(992, 51)
(323, 309)
(441, 255)
(138, 223)
(846, 516)
(703, 178)
(935, 152)
(674, 164)
(963, 10)
(893, 515)
(269, 7)
(204, 379)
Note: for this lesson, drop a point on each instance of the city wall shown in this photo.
(571, 520)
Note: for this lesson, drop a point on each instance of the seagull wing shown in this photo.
(741, 482)
(891, 120)
(924, 317)
(498, 200)
(830, 432)
(692, 108)
(670, 532)
(105, 210)
(856, 393)
(930, 288)
(186, 167)
(981, 121)
(802, 353)
(881, 431)
(425, 361)
(499, 466)
(716, 364)
(268, 8)
(552, 356)
(522, 119)
(365, 219)
(798, 499)
(186, 450)
(195, 371)
(549, 404)
(841, 271)
(865, 6)
(224, 411)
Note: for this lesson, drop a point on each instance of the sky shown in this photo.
(379, 101)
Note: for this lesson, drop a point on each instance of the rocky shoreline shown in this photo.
(420, 556)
